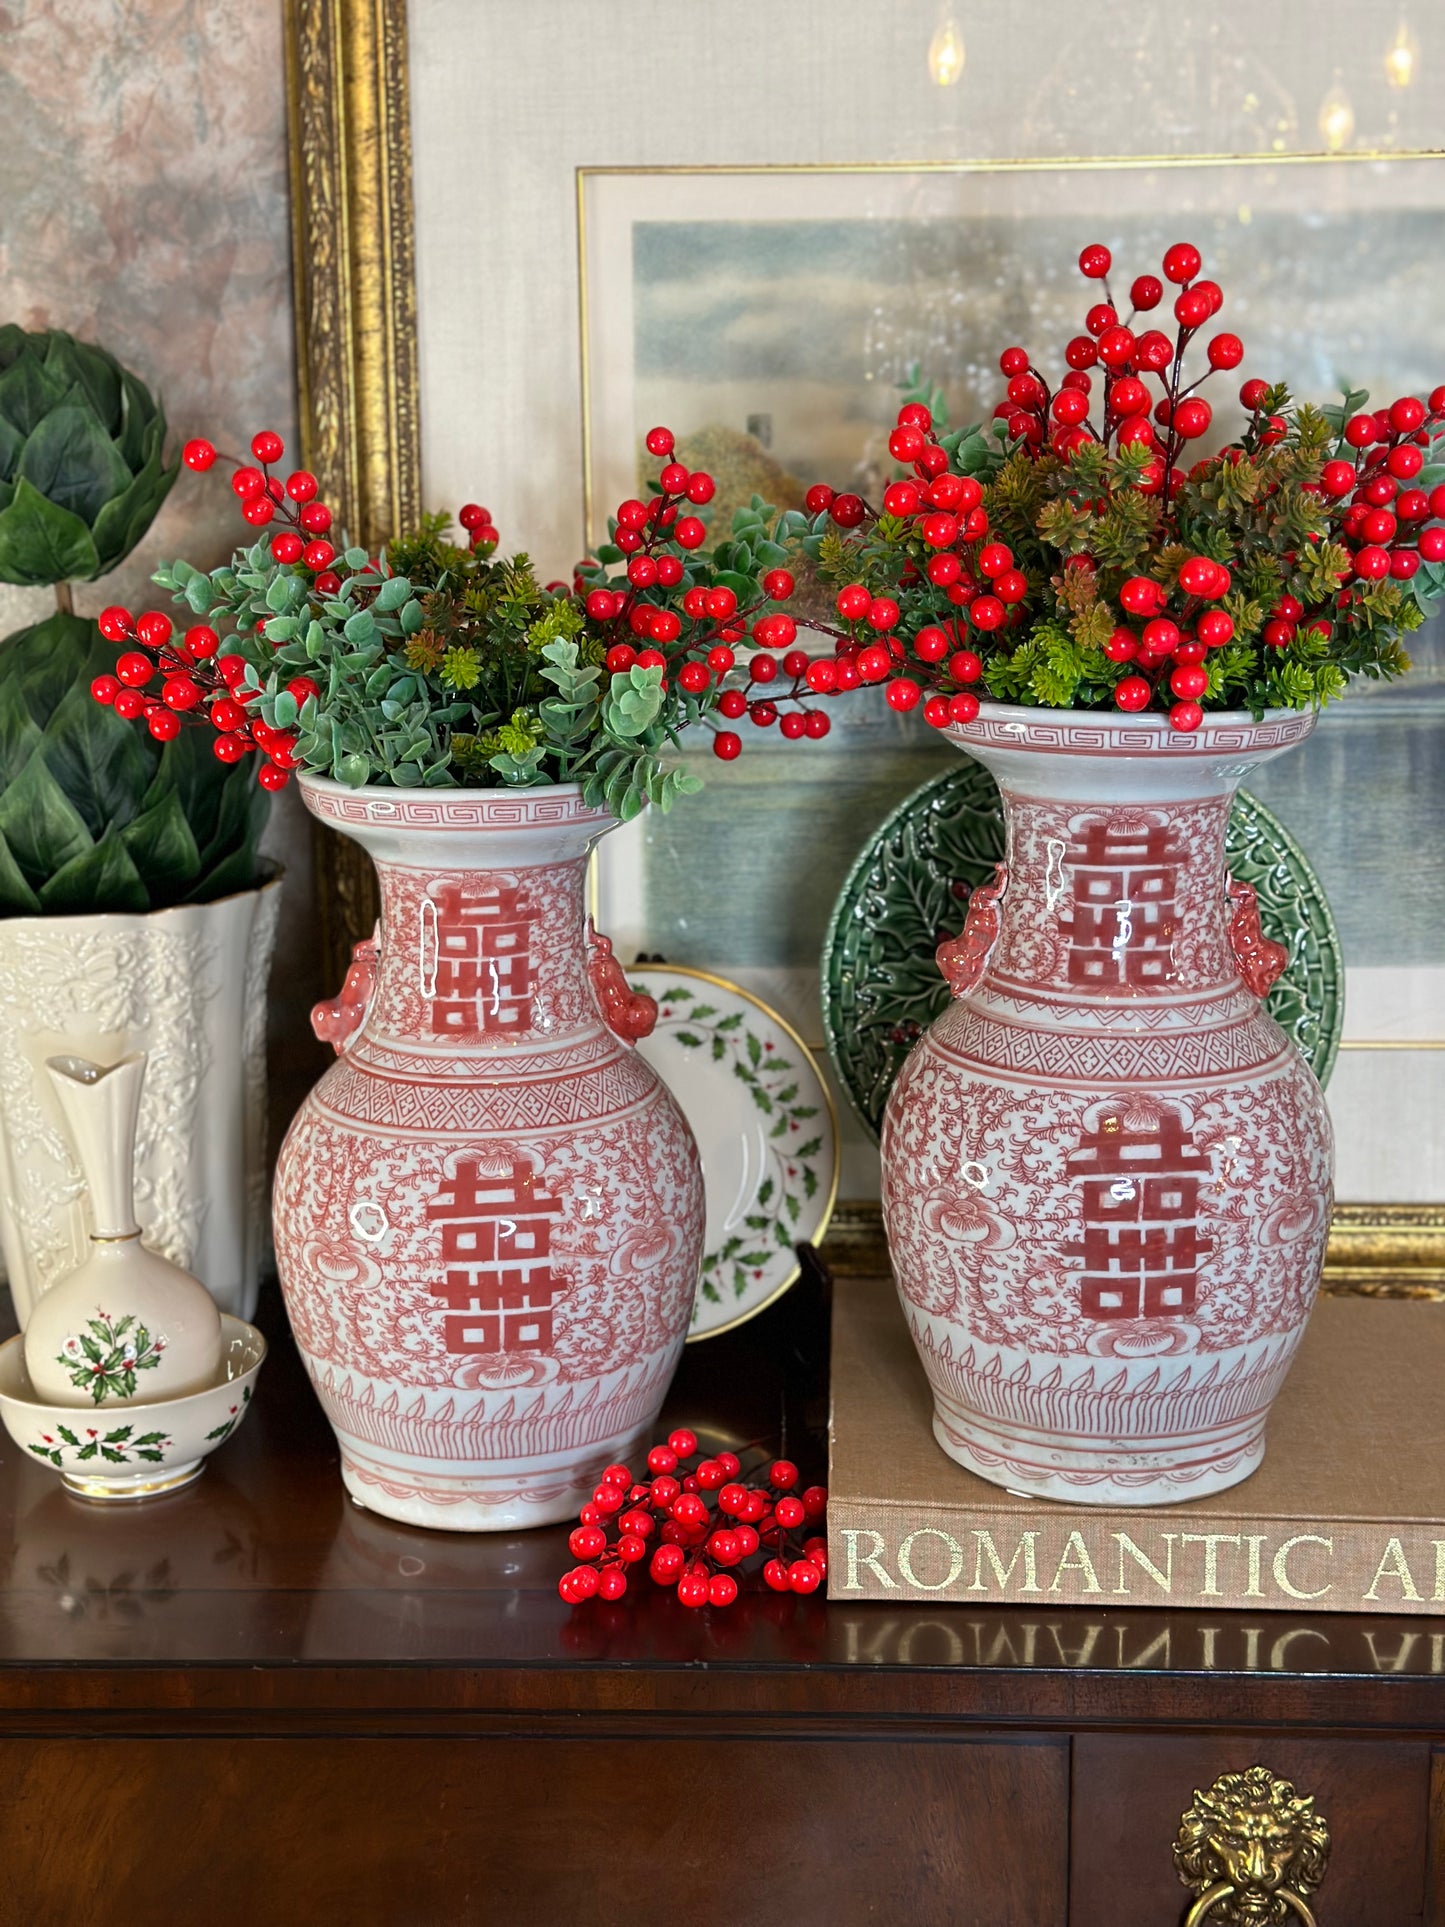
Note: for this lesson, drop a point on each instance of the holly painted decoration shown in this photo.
(1071, 554)
(104, 1358)
(693, 1525)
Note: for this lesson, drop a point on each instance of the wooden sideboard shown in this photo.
(255, 1702)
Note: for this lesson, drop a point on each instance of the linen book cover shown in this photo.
(1346, 1514)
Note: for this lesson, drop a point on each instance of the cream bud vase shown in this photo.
(127, 1324)
(187, 986)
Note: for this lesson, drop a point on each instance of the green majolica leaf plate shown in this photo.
(909, 889)
(765, 1131)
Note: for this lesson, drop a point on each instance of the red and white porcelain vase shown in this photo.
(489, 1212)
(1106, 1171)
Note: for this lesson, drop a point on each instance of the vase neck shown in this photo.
(1111, 902)
(481, 957)
(102, 1106)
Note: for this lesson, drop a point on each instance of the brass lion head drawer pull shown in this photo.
(1251, 1850)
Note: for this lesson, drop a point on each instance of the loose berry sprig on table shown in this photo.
(696, 1526)
(1063, 557)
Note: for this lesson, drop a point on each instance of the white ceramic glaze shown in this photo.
(142, 1450)
(1106, 1170)
(765, 1129)
(489, 1212)
(188, 987)
(126, 1324)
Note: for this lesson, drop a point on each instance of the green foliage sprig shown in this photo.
(437, 664)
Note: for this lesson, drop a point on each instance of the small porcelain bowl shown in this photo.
(132, 1451)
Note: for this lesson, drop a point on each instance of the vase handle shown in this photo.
(963, 959)
(629, 1013)
(338, 1021)
(1261, 960)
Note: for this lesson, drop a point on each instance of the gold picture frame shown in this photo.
(354, 290)
(357, 377)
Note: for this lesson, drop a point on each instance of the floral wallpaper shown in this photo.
(144, 205)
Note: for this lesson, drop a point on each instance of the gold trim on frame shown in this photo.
(1392, 1043)
(353, 252)
(353, 256)
(1375, 1250)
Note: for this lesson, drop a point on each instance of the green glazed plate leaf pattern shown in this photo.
(909, 889)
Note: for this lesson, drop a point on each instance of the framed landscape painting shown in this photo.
(770, 317)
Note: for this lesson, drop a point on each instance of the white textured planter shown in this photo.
(187, 986)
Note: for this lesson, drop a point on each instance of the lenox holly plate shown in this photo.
(765, 1130)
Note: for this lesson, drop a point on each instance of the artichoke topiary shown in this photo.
(82, 459)
(94, 813)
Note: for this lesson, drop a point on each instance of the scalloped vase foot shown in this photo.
(1106, 1170)
(489, 1212)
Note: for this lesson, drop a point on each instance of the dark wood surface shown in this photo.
(1128, 1797)
(525, 1830)
(344, 1719)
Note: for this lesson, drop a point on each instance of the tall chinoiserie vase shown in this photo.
(1106, 1170)
(489, 1212)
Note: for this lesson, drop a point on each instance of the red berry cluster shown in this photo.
(195, 683)
(964, 592)
(976, 575)
(1161, 641)
(696, 1525)
(169, 681)
(1166, 653)
(1126, 361)
(1384, 522)
(694, 635)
